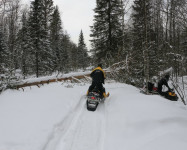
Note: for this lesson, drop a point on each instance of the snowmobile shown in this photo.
(151, 89)
(93, 100)
(170, 95)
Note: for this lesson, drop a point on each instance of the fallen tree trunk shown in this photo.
(50, 81)
(70, 77)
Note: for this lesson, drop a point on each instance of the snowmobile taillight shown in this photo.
(92, 97)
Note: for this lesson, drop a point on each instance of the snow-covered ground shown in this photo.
(54, 117)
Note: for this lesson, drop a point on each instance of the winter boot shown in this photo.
(108, 94)
(105, 95)
(87, 93)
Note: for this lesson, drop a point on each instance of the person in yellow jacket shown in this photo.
(98, 79)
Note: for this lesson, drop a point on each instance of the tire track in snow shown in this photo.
(60, 130)
(89, 132)
(80, 130)
(103, 127)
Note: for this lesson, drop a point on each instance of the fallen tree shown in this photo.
(71, 77)
(17, 83)
(38, 83)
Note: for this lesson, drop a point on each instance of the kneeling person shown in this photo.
(163, 81)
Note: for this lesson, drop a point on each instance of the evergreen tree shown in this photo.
(3, 51)
(142, 40)
(184, 51)
(107, 29)
(48, 10)
(48, 13)
(56, 33)
(82, 52)
(12, 30)
(36, 32)
(66, 53)
(157, 54)
(73, 57)
(23, 47)
(40, 39)
(48, 56)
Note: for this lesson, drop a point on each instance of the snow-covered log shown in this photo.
(50, 81)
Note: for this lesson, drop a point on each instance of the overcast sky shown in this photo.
(76, 15)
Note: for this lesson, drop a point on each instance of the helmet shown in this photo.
(167, 76)
(99, 65)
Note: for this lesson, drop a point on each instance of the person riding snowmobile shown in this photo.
(98, 77)
(163, 81)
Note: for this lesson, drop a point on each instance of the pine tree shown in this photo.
(36, 32)
(56, 33)
(12, 18)
(5, 61)
(47, 55)
(3, 51)
(39, 39)
(184, 51)
(23, 46)
(141, 40)
(73, 56)
(48, 12)
(82, 52)
(157, 49)
(66, 53)
(107, 29)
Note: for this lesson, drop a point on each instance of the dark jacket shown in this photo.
(162, 82)
(98, 75)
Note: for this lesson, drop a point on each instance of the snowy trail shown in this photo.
(61, 130)
(80, 130)
(55, 117)
(87, 133)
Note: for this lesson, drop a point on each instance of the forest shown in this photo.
(137, 42)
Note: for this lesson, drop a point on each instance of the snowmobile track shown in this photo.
(60, 130)
(80, 130)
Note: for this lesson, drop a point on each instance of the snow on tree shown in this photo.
(107, 30)
(55, 38)
(40, 39)
(82, 54)
(141, 41)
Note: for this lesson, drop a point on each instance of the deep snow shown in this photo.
(54, 117)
